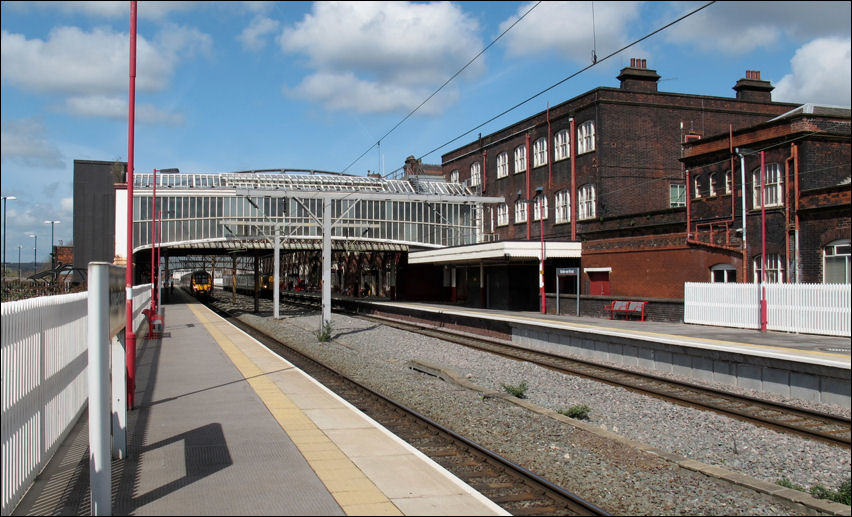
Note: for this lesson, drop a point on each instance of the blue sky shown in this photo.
(229, 86)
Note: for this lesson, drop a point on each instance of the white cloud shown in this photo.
(72, 61)
(738, 28)
(24, 142)
(821, 71)
(545, 29)
(253, 37)
(367, 96)
(116, 108)
(152, 10)
(393, 53)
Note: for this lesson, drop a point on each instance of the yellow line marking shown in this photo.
(354, 492)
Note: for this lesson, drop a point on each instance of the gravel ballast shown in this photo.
(608, 472)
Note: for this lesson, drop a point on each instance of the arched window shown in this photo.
(728, 184)
(586, 202)
(836, 267)
(475, 179)
(539, 206)
(502, 214)
(562, 145)
(696, 187)
(454, 176)
(520, 159)
(502, 165)
(774, 268)
(562, 213)
(712, 184)
(723, 273)
(540, 152)
(520, 211)
(586, 137)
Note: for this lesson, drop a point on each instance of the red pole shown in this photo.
(573, 200)
(763, 242)
(527, 198)
(153, 243)
(541, 264)
(130, 353)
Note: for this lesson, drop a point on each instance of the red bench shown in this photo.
(626, 308)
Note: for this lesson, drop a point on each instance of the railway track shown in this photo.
(816, 425)
(515, 489)
(812, 424)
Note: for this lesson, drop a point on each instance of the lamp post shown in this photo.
(5, 198)
(35, 250)
(52, 254)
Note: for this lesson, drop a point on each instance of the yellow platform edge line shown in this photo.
(369, 498)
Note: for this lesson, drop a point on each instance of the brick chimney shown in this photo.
(637, 77)
(752, 88)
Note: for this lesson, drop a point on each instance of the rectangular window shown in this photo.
(540, 152)
(520, 211)
(677, 196)
(539, 206)
(502, 214)
(773, 186)
(502, 165)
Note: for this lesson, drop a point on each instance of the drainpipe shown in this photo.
(796, 211)
(549, 153)
(573, 199)
(743, 196)
(529, 173)
(787, 214)
(763, 241)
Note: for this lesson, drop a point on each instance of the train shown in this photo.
(245, 284)
(199, 283)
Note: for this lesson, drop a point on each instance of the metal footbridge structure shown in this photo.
(280, 209)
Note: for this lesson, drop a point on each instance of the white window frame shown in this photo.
(774, 186)
(586, 137)
(586, 202)
(538, 201)
(562, 208)
(729, 273)
(774, 269)
(520, 211)
(696, 187)
(502, 165)
(502, 214)
(836, 252)
(712, 184)
(540, 152)
(454, 176)
(520, 159)
(680, 200)
(475, 174)
(562, 145)
(728, 179)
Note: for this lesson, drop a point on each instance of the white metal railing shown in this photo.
(807, 308)
(44, 381)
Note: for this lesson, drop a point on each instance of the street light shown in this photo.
(4, 239)
(52, 254)
(35, 250)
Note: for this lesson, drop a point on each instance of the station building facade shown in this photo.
(605, 169)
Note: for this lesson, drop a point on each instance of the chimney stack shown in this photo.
(752, 88)
(637, 77)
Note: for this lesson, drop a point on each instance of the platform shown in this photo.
(224, 427)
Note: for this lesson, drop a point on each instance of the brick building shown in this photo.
(605, 170)
(805, 155)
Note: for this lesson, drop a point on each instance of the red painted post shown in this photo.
(130, 352)
(763, 315)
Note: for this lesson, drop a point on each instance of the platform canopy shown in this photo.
(500, 251)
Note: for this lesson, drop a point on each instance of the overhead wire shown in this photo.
(542, 92)
(462, 69)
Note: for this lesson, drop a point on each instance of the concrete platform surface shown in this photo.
(225, 427)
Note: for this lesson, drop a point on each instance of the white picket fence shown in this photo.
(44, 377)
(805, 308)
